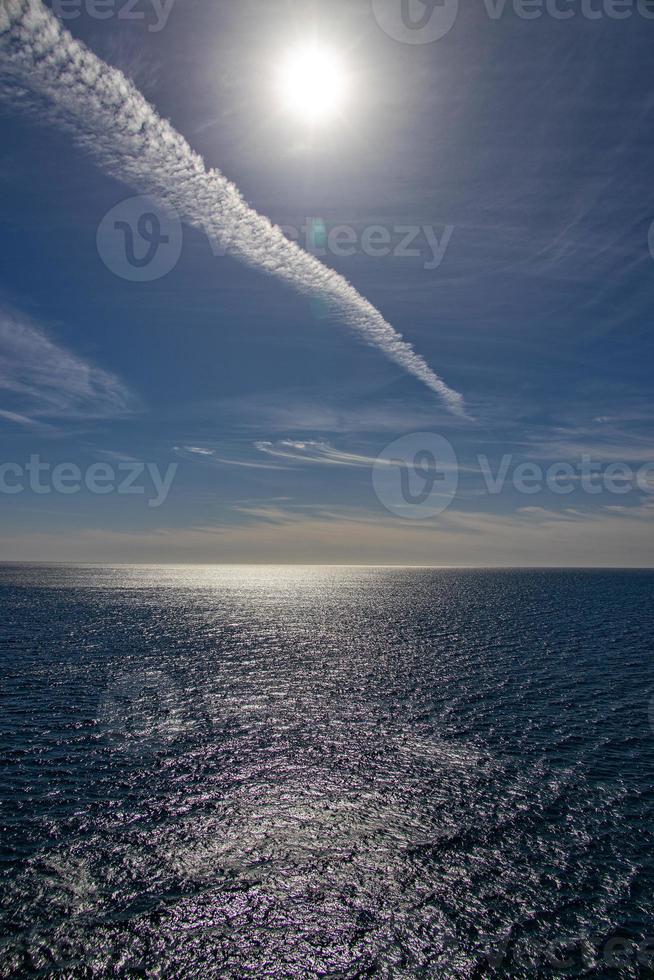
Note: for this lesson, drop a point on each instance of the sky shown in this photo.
(460, 371)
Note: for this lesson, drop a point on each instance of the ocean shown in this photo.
(326, 772)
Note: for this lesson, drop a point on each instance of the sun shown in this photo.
(312, 83)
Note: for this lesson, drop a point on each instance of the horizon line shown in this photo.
(298, 564)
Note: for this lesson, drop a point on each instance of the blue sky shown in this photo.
(525, 142)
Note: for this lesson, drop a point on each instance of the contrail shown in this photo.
(109, 118)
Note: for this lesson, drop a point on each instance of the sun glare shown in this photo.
(312, 83)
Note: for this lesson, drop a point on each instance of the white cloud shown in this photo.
(40, 379)
(195, 450)
(25, 421)
(112, 121)
(308, 451)
(205, 455)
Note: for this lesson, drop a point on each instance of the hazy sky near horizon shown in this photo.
(516, 153)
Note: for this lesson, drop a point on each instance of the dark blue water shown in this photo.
(301, 772)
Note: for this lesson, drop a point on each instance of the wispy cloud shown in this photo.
(205, 455)
(112, 121)
(324, 413)
(39, 379)
(17, 419)
(312, 452)
(532, 536)
(195, 451)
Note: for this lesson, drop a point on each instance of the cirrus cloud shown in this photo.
(110, 119)
(41, 379)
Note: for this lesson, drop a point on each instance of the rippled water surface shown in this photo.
(341, 772)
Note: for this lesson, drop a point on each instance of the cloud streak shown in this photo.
(110, 119)
(211, 456)
(40, 379)
(310, 451)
